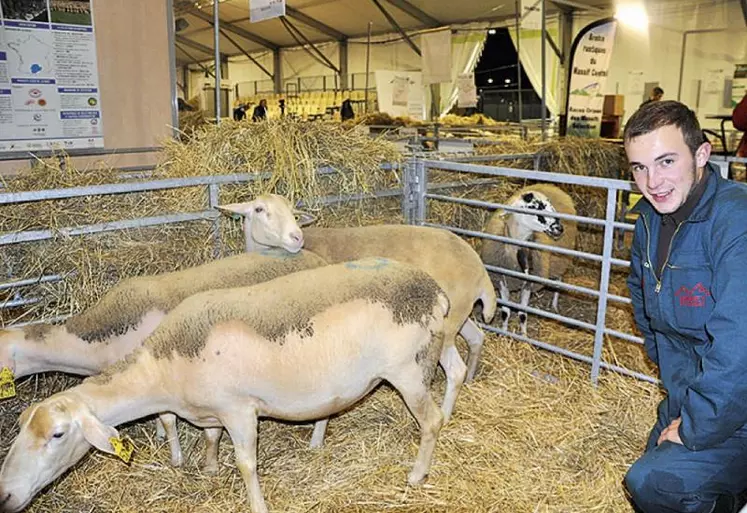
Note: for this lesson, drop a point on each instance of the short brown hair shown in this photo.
(654, 115)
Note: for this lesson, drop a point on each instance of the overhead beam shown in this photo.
(235, 30)
(197, 46)
(396, 26)
(314, 23)
(246, 54)
(743, 3)
(194, 59)
(295, 33)
(418, 14)
(553, 45)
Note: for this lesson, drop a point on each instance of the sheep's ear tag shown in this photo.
(122, 448)
(7, 384)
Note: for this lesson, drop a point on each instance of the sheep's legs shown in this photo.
(475, 338)
(420, 402)
(526, 292)
(243, 433)
(455, 370)
(555, 296)
(317, 438)
(212, 444)
(167, 423)
(505, 296)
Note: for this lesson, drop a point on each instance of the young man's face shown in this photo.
(664, 168)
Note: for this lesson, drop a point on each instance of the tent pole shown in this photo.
(216, 36)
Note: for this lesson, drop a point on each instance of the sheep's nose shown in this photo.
(297, 236)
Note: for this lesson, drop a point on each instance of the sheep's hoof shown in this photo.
(416, 478)
(210, 469)
(177, 461)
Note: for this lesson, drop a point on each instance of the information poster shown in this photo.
(49, 82)
(590, 59)
(400, 93)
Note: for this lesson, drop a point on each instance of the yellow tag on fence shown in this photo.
(7, 384)
(122, 448)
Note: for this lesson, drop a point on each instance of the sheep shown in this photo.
(527, 227)
(450, 260)
(300, 347)
(120, 322)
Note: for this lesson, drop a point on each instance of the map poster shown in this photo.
(49, 81)
(590, 59)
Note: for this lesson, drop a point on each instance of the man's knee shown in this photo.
(655, 490)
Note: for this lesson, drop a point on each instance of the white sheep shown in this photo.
(300, 347)
(119, 323)
(449, 259)
(538, 228)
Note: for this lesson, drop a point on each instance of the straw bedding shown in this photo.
(530, 434)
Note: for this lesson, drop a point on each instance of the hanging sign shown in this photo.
(590, 59)
(260, 10)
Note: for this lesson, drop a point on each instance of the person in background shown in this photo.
(739, 119)
(260, 111)
(687, 273)
(656, 95)
(281, 105)
(346, 110)
(239, 112)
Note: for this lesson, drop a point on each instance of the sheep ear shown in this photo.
(237, 210)
(97, 433)
(528, 197)
(304, 218)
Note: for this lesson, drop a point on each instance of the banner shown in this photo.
(400, 93)
(590, 58)
(260, 10)
(531, 14)
(49, 80)
(467, 91)
(436, 56)
(738, 84)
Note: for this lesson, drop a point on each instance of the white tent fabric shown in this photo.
(466, 49)
(531, 61)
(435, 48)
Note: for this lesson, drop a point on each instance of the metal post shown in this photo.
(213, 199)
(170, 29)
(368, 63)
(544, 71)
(609, 232)
(420, 191)
(518, 56)
(216, 38)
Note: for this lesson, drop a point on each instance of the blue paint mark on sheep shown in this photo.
(369, 264)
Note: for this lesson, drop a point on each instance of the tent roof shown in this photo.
(330, 20)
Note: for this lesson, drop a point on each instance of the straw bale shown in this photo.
(530, 434)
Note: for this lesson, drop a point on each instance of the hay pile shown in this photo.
(474, 119)
(289, 153)
(529, 435)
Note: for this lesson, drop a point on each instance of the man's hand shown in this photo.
(671, 432)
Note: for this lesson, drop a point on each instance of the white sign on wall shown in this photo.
(589, 67)
(49, 80)
(400, 93)
(467, 91)
(436, 56)
(260, 10)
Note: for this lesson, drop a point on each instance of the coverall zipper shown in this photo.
(648, 251)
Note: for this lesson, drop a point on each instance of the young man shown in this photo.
(687, 283)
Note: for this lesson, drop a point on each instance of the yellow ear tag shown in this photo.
(7, 384)
(122, 448)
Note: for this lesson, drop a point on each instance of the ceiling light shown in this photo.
(490, 81)
(633, 16)
(491, 32)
